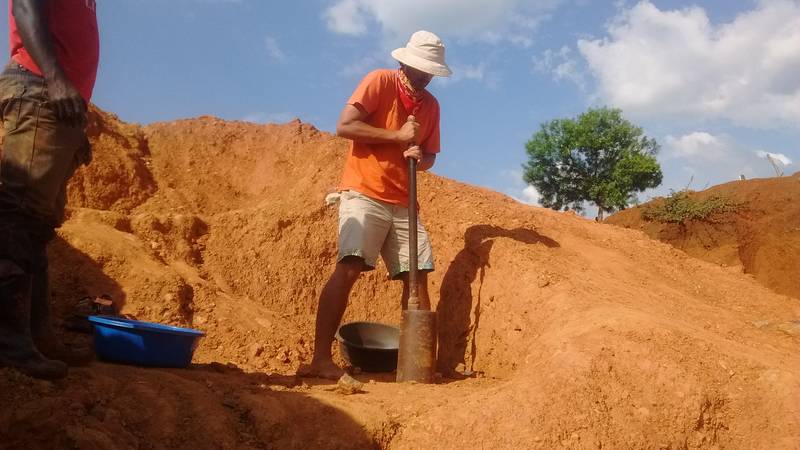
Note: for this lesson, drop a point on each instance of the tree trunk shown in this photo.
(599, 214)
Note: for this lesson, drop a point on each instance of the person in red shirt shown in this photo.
(44, 93)
(390, 117)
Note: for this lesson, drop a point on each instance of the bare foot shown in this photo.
(323, 369)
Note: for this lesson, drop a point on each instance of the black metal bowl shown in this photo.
(370, 346)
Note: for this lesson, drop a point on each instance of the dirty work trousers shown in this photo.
(39, 155)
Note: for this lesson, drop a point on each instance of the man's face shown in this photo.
(418, 79)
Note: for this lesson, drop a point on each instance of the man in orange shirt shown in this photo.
(390, 117)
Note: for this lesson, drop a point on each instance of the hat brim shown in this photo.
(409, 59)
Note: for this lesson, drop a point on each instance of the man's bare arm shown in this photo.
(352, 126)
(32, 26)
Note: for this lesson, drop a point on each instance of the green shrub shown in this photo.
(680, 208)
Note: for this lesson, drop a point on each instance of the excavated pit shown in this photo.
(576, 334)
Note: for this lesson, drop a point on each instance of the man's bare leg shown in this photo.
(332, 303)
(422, 291)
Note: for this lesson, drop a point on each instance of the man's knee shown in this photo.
(349, 269)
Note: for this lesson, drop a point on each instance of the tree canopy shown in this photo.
(598, 157)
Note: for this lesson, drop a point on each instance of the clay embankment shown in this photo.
(760, 238)
(582, 335)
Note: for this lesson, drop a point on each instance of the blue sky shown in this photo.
(716, 83)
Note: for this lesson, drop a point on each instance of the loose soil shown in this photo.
(576, 334)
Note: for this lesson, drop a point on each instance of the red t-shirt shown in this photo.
(379, 170)
(73, 27)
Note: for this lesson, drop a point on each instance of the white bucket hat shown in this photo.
(424, 52)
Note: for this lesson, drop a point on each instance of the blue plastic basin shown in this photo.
(143, 343)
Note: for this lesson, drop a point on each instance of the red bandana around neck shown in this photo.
(410, 98)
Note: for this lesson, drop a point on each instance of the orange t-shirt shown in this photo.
(380, 171)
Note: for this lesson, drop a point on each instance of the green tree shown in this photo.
(599, 157)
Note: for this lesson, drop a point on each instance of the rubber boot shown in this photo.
(16, 346)
(42, 331)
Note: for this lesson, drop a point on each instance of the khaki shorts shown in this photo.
(368, 227)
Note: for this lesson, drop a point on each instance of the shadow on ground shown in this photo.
(210, 406)
(74, 275)
(457, 300)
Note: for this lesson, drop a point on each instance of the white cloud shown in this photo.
(677, 63)
(701, 159)
(488, 20)
(391, 22)
(780, 157)
(530, 195)
(698, 145)
(274, 49)
(516, 187)
(561, 64)
(346, 17)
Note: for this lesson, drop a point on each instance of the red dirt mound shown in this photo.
(762, 236)
(579, 335)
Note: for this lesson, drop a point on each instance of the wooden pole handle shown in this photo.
(413, 296)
